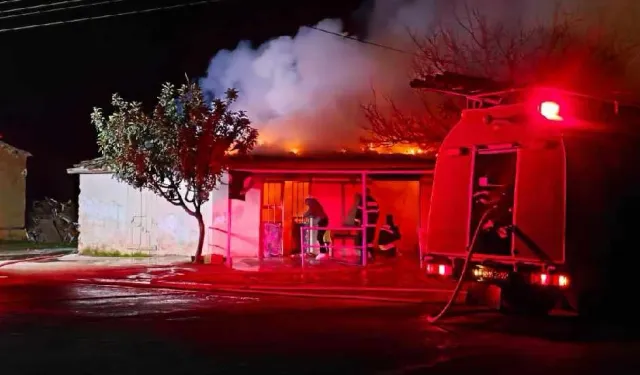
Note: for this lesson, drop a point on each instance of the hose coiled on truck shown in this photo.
(465, 267)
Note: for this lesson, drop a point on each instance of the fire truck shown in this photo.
(536, 192)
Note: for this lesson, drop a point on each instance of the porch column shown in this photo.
(365, 219)
(228, 250)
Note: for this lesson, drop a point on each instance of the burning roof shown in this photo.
(315, 161)
(88, 166)
(370, 161)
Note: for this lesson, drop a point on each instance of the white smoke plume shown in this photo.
(305, 91)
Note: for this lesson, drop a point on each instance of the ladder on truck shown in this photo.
(485, 93)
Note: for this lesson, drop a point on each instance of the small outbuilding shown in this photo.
(13, 174)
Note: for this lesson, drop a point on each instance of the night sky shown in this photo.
(52, 77)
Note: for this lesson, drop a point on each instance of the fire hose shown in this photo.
(430, 319)
(287, 291)
(465, 267)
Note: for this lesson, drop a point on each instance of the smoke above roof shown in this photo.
(305, 91)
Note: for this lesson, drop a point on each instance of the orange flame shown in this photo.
(399, 149)
(295, 147)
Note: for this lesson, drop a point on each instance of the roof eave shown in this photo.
(16, 150)
(86, 171)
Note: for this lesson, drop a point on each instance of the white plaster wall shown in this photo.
(245, 222)
(102, 213)
(114, 216)
(217, 226)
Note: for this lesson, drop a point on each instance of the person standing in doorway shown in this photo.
(317, 218)
(372, 210)
(388, 238)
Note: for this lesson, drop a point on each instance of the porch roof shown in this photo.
(329, 163)
(92, 166)
(334, 163)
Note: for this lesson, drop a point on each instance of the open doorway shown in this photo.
(295, 193)
(281, 217)
(494, 177)
(272, 218)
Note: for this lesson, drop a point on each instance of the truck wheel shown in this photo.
(539, 308)
(526, 301)
(594, 307)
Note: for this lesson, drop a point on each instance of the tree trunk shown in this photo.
(201, 232)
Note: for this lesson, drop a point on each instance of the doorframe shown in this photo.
(261, 223)
(492, 150)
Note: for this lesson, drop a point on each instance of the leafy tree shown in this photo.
(179, 150)
(566, 52)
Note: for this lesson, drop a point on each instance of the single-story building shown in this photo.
(13, 174)
(116, 216)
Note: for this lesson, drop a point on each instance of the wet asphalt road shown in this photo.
(88, 329)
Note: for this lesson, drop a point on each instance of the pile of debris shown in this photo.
(51, 221)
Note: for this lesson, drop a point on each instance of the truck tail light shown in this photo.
(545, 279)
(438, 269)
(563, 281)
(540, 279)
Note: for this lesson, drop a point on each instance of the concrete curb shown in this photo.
(31, 259)
(26, 256)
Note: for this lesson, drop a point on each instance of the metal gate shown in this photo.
(272, 219)
(299, 190)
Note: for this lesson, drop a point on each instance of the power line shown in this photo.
(359, 40)
(40, 6)
(141, 11)
(60, 9)
(105, 16)
(9, 1)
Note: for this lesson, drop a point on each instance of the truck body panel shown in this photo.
(575, 206)
(539, 191)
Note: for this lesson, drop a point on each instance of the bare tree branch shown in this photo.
(559, 52)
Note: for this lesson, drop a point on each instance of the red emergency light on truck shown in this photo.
(542, 186)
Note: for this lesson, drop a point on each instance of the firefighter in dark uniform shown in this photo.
(388, 238)
(315, 212)
(372, 210)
